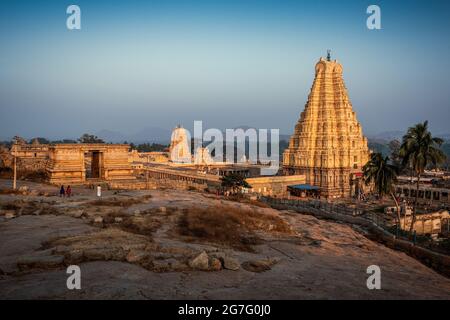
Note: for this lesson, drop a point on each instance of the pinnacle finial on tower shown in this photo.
(328, 55)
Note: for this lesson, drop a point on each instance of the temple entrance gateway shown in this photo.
(92, 164)
(75, 163)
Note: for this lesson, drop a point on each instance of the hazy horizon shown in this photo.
(140, 64)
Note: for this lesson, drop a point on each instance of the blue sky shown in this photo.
(137, 64)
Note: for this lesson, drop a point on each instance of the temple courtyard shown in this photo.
(171, 244)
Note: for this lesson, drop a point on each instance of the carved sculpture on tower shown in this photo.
(180, 151)
(328, 145)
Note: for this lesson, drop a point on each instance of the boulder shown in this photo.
(215, 264)
(259, 265)
(230, 263)
(98, 221)
(10, 215)
(23, 189)
(77, 213)
(200, 262)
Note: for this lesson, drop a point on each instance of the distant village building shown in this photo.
(429, 223)
(428, 194)
(328, 145)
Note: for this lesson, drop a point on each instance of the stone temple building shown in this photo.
(81, 163)
(328, 145)
(180, 150)
(202, 156)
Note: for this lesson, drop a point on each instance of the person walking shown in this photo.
(68, 191)
(61, 192)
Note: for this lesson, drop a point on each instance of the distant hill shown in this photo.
(149, 134)
(111, 136)
(387, 136)
(445, 136)
(379, 147)
(152, 134)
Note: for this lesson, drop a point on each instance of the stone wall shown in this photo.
(431, 223)
(153, 183)
(30, 157)
(274, 185)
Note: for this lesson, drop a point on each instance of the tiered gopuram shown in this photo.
(328, 145)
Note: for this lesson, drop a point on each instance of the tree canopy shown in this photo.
(233, 182)
(90, 138)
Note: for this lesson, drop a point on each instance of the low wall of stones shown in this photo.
(23, 164)
(33, 169)
(157, 184)
(437, 261)
(32, 164)
(6, 159)
(130, 185)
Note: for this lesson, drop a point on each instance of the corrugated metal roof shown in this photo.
(304, 187)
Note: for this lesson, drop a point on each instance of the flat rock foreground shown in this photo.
(168, 244)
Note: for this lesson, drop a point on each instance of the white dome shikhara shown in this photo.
(328, 145)
(180, 150)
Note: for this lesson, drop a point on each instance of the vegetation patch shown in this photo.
(117, 202)
(11, 191)
(229, 225)
(141, 225)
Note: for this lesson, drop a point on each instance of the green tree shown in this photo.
(70, 141)
(90, 138)
(19, 140)
(418, 151)
(234, 182)
(147, 147)
(380, 172)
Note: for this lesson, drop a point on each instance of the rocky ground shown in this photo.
(167, 244)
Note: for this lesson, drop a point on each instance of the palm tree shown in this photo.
(418, 151)
(380, 172)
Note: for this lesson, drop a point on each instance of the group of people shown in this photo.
(65, 192)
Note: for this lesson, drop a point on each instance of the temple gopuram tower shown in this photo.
(328, 145)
